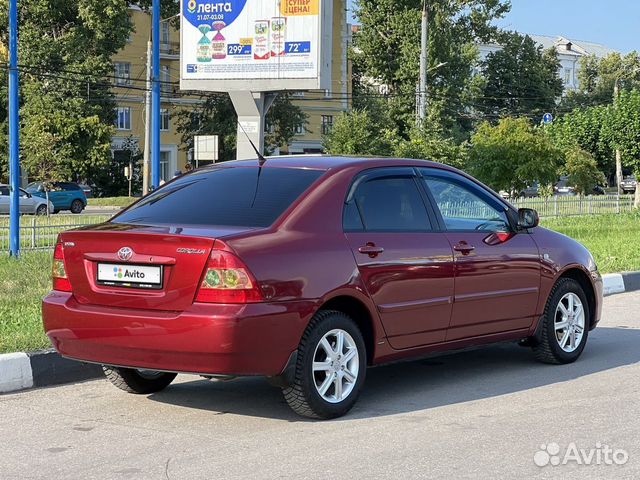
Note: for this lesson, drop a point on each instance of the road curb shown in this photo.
(620, 282)
(19, 371)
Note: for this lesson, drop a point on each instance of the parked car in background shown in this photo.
(309, 269)
(29, 204)
(88, 192)
(598, 190)
(63, 195)
(628, 184)
(562, 188)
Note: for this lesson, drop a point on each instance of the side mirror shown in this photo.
(528, 218)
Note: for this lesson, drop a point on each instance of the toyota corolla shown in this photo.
(307, 270)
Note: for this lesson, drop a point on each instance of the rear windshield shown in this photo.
(236, 196)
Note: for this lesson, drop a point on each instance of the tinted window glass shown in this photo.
(351, 220)
(463, 209)
(234, 196)
(4, 190)
(392, 204)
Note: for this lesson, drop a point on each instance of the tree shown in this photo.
(583, 171)
(429, 145)
(67, 108)
(110, 179)
(623, 128)
(388, 45)
(584, 128)
(520, 79)
(597, 78)
(355, 133)
(215, 115)
(513, 154)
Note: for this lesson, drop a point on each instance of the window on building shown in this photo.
(122, 72)
(327, 124)
(297, 94)
(568, 76)
(164, 119)
(165, 34)
(300, 129)
(165, 78)
(123, 118)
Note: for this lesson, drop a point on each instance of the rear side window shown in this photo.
(235, 196)
(4, 191)
(390, 204)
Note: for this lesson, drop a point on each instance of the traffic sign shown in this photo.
(547, 118)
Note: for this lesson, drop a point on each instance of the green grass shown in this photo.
(611, 238)
(111, 201)
(23, 284)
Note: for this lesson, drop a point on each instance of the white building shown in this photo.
(570, 54)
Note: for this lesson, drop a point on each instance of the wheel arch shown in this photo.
(361, 314)
(579, 275)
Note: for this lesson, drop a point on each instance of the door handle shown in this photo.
(464, 248)
(371, 250)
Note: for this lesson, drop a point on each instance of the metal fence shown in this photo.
(40, 233)
(561, 206)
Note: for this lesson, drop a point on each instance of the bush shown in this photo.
(583, 172)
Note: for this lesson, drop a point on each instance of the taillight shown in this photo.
(60, 280)
(227, 279)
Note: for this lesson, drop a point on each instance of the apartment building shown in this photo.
(321, 107)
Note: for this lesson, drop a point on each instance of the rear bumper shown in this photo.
(253, 339)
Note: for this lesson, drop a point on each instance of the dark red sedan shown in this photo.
(309, 269)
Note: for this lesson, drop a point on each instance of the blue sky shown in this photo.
(614, 23)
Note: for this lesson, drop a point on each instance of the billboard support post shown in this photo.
(14, 132)
(155, 96)
(252, 109)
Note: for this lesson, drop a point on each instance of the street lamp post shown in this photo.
(14, 132)
(155, 96)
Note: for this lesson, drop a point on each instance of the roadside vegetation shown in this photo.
(111, 201)
(611, 239)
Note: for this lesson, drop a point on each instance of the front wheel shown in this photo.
(77, 206)
(138, 381)
(565, 324)
(330, 368)
(41, 210)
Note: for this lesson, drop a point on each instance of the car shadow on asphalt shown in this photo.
(421, 384)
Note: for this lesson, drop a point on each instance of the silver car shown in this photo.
(28, 203)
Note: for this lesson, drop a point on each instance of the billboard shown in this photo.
(255, 45)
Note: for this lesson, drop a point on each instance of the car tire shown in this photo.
(41, 210)
(339, 377)
(562, 316)
(77, 206)
(138, 381)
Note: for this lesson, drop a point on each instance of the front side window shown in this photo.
(388, 204)
(463, 207)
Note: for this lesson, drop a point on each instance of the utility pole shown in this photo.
(424, 62)
(616, 95)
(155, 96)
(14, 132)
(147, 126)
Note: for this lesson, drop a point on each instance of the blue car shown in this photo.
(63, 195)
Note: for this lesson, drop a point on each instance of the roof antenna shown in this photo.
(261, 159)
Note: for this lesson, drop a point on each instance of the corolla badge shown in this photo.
(125, 253)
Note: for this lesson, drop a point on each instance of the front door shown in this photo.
(404, 262)
(497, 277)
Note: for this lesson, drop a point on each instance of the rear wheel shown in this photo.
(138, 381)
(330, 368)
(77, 206)
(566, 324)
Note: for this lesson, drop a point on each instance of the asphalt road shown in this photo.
(476, 414)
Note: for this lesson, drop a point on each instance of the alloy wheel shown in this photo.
(569, 322)
(336, 364)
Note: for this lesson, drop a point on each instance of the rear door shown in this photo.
(406, 264)
(497, 271)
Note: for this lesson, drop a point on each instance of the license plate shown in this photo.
(138, 276)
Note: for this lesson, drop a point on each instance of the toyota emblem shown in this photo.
(125, 253)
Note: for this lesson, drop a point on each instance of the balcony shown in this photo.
(170, 50)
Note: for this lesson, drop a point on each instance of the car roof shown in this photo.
(329, 162)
